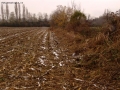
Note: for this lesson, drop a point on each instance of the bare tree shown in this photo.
(29, 17)
(24, 12)
(73, 5)
(5, 15)
(2, 12)
(19, 12)
(119, 12)
(40, 17)
(16, 11)
(45, 17)
(34, 18)
(12, 17)
(7, 11)
(27, 14)
(88, 17)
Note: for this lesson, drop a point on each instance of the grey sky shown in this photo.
(92, 7)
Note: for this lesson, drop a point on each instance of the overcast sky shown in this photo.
(93, 7)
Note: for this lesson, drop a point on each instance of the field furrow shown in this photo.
(35, 60)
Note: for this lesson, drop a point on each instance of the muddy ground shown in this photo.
(36, 59)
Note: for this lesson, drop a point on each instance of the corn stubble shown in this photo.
(96, 59)
(44, 59)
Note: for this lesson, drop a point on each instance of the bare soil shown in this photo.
(38, 59)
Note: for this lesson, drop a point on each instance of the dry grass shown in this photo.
(97, 57)
(41, 59)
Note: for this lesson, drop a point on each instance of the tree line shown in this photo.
(69, 18)
(66, 17)
(21, 17)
